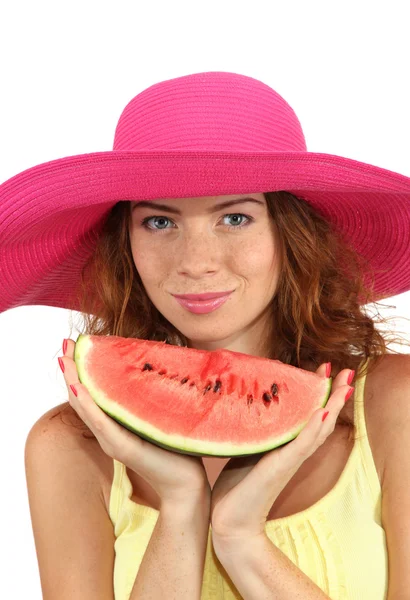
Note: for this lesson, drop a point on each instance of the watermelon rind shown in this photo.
(175, 443)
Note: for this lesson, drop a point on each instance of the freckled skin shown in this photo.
(197, 252)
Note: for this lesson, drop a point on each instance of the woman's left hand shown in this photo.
(247, 487)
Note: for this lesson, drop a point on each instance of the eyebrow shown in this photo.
(175, 211)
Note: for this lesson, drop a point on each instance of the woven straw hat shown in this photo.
(212, 133)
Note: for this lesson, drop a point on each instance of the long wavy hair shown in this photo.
(317, 307)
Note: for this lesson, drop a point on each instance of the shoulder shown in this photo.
(60, 425)
(70, 523)
(60, 431)
(388, 386)
(394, 367)
(391, 391)
(387, 406)
(390, 403)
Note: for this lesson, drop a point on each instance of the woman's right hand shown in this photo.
(174, 476)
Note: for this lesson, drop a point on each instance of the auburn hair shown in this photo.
(318, 306)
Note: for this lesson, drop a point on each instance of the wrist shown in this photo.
(236, 547)
(190, 505)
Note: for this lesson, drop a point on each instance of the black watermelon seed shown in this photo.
(267, 397)
(147, 367)
(250, 399)
(208, 387)
(217, 385)
(274, 389)
(184, 380)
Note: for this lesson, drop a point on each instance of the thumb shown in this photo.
(322, 370)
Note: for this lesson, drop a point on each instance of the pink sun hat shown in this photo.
(212, 133)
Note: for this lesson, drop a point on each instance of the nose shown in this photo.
(198, 253)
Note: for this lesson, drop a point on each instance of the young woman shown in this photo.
(210, 189)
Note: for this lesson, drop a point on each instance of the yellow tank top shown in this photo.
(338, 542)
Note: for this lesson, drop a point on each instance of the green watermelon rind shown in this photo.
(179, 444)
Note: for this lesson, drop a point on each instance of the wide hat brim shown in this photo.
(50, 214)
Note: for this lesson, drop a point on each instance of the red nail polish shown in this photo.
(350, 378)
(64, 346)
(73, 390)
(328, 369)
(324, 416)
(349, 393)
(60, 362)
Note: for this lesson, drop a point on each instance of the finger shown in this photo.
(70, 369)
(321, 370)
(70, 372)
(323, 424)
(81, 402)
(317, 430)
(83, 398)
(70, 349)
(341, 378)
(114, 439)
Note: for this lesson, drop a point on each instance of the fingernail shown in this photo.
(324, 416)
(73, 390)
(60, 362)
(64, 346)
(328, 369)
(349, 393)
(350, 378)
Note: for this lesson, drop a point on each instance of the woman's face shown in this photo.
(208, 249)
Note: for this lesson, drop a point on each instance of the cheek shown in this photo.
(148, 264)
(258, 259)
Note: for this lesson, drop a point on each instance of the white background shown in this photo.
(66, 72)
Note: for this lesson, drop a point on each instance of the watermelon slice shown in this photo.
(198, 402)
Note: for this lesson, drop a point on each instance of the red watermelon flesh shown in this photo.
(199, 402)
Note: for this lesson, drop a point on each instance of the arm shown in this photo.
(260, 571)
(73, 534)
(393, 406)
(173, 563)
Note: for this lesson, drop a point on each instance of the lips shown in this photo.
(203, 306)
(198, 297)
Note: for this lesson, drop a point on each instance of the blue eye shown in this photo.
(145, 221)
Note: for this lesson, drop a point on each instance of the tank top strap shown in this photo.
(120, 489)
(359, 415)
(361, 434)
